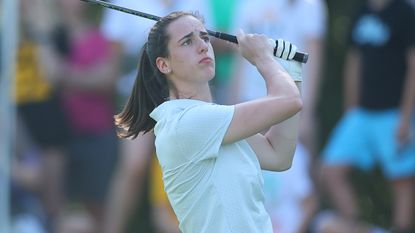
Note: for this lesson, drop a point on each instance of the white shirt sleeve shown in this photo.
(201, 129)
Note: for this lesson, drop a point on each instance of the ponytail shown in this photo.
(149, 91)
(150, 87)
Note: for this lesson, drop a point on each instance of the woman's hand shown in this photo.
(255, 48)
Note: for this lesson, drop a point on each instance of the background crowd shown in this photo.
(354, 166)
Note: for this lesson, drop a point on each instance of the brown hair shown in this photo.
(150, 88)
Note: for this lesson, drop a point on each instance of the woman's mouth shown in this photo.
(206, 60)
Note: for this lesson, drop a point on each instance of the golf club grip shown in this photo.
(298, 56)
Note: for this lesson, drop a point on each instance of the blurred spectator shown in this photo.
(378, 125)
(290, 196)
(39, 108)
(330, 222)
(165, 221)
(87, 74)
(27, 211)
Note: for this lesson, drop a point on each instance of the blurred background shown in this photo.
(67, 67)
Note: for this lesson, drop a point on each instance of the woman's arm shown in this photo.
(408, 101)
(351, 79)
(283, 98)
(275, 150)
(282, 102)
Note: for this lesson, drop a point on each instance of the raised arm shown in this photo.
(276, 149)
(282, 102)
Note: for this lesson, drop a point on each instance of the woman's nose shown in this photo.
(203, 46)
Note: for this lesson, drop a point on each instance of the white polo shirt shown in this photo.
(213, 188)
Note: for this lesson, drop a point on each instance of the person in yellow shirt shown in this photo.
(165, 221)
(38, 103)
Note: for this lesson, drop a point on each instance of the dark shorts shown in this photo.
(45, 122)
(91, 163)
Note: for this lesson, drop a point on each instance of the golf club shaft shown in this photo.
(299, 56)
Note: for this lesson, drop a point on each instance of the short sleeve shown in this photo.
(200, 130)
(355, 19)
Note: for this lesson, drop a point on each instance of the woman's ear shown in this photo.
(163, 65)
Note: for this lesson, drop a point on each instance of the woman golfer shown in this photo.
(211, 155)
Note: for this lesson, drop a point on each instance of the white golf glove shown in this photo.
(284, 52)
(294, 68)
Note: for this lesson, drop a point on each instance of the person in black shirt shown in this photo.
(378, 125)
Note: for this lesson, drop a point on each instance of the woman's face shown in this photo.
(191, 58)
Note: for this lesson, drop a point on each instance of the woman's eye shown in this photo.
(206, 39)
(187, 42)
